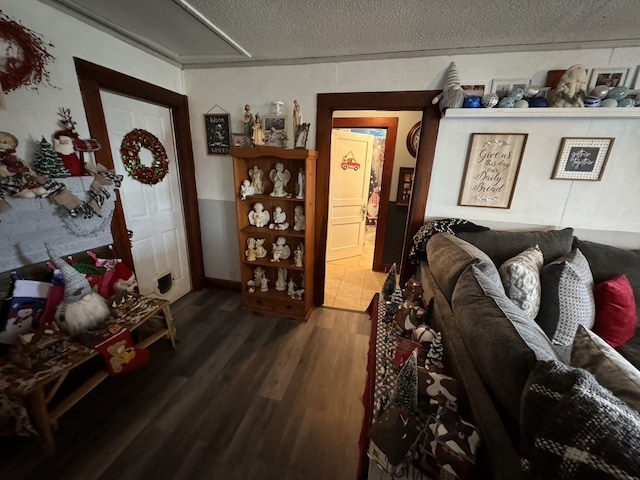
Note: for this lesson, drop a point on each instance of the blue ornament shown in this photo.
(538, 102)
(507, 102)
(517, 93)
(627, 102)
(592, 101)
(618, 93)
(472, 101)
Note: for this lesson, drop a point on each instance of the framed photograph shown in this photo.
(611, 77)
(216, 126)
(302, 136)
(274, 128)
(503, 87)
(491, 172)
(413, 139)
(405, 186)
(476, 88)
(582, 158)
(636, 82)
(241, 140)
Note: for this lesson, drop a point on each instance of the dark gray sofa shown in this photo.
(489, 347)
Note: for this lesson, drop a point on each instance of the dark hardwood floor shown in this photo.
(243, 397)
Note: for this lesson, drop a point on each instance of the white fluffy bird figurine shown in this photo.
(452, 95)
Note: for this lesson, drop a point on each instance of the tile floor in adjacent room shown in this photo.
(351, 283)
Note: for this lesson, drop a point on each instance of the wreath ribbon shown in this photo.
(132, 142)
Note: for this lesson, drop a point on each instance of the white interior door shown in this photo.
(154, 213)
(351, 156)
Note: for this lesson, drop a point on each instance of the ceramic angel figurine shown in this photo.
(298, 256)
(279, 220)
(298, 218)
(280, 250)
(264, 284)
(257, 175)
(250, 252)
(291, 287)
(301, 181)
(281, 282)
(246, 190)
(259, 217)
(261, 252)
(258, 273)
(258, 132)
(280, 177)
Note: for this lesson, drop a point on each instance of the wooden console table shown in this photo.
(38, 386)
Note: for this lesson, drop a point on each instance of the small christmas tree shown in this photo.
(390, 283)
(405, 393)
(434, 357)
(48, 163)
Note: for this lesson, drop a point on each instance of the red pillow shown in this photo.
(616, 316)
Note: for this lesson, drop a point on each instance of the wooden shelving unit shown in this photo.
(275, 302)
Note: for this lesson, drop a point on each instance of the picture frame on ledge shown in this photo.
(405, 186)
(611, 77)
(503, 87)
(302, 135)
(582, 158)
(217, 128)
(491, 171)
(274, 128)
(241, 140)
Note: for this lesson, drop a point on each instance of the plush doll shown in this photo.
(572, 88)
(452, 95)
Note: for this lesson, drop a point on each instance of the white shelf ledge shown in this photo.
(549, 112)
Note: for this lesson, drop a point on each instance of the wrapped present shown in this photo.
(404, 348)
(439, 387)
(392, 435)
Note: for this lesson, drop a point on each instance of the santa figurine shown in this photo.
(63, 145)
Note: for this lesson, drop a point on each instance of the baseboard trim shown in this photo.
(223, 284)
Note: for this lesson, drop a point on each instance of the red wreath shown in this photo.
(130, 153)
(26, 56)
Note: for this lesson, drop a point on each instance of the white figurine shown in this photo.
(250, 252)
(291, 290)
(258, 273)
(259, 217)
(264, 284)
(280, 177)
(298, 255)
(261, 252)
(281, 282)
(301, 181)
(279, 220)
(298, 218)
(257, 175)
(280, 250)
(297, 115)
(246, 190)
(247, 119)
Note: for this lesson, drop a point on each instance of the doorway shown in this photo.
(393, 101)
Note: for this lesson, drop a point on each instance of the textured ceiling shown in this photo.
(302, 31)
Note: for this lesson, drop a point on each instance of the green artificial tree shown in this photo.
(434, 357)
(390, 283)
(48, 163)
(405, 393)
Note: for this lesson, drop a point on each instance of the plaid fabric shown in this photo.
(573, 428)
(418, 251)
(88, 145)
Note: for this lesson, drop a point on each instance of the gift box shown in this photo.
(441, 389)
(404, 348)
(392, 435)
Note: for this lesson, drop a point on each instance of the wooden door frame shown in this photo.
(407, 100)
(390, 124)
(93, 78)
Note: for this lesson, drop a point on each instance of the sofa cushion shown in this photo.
(500, 245)
(606, 261)
(616, 315)
(502, 340)
(449, 256)
(567, 297)
(609, 367)
(521, 279)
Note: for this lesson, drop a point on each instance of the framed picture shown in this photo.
(405, 186)
(302, 136)
(218, 134)
(241, 140)
(274, 128)
(611, 77)
(491, 172)
(503, 87)
(476, 88)
(636, 82)
(413, 139)
(582, 158)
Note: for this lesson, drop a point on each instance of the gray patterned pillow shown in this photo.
(567, 297)
(520, 276)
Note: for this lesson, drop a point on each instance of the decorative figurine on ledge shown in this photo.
(264, 284)
(258, 132)
(298, 218)
(261, 252)
(281, 282)
(298, 256)
(256, 174)
(258, 217)
(452, 95)
(284, 139)
(246, 190)
(247, 119)
(250, 252)
(572, 88)
(280, 250)
(291, 287)
(301, 181)
(279, 220)
(280, 177)
(258, 273)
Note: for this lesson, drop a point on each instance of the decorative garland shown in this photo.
(130, 153)
(26, 56)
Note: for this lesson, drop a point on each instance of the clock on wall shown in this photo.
(413, 139)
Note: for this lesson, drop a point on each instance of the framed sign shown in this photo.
(493, 163)
(582, 158)
(218, 134)
(405, 186)
(413, 139)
